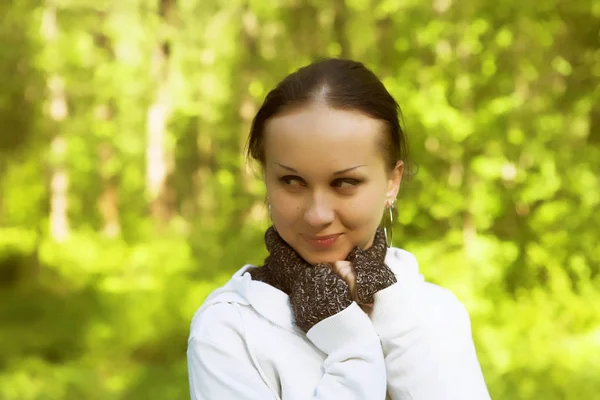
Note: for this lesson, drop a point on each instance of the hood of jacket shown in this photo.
(274, 305)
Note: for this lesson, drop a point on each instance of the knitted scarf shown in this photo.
(316, 292)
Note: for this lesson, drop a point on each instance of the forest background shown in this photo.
(125, 197)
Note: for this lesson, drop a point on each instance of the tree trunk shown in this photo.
(159, 161)
(247, 106)
(57, 112)
(108, 203)
(339, 28)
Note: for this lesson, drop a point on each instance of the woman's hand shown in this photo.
(317, 294)
(345, 271)
(365, 271)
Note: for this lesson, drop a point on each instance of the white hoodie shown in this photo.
(415, 344)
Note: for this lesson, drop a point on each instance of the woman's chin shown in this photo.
(329, 257)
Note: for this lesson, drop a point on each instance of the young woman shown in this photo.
(334, 312)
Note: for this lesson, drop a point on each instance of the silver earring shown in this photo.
(388, 223)
(270, 217)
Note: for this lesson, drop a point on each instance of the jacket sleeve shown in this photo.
(426, 338)
(220, 366)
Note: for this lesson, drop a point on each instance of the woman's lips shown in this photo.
(323, 242)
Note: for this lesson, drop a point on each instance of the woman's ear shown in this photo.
(395, 178)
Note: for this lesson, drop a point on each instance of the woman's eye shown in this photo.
(346, 183)
(292, 180)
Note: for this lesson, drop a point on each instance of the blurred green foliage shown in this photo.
(125, 198)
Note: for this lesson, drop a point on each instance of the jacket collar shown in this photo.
(274, 305)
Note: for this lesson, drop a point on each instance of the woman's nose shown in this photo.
(319, 212)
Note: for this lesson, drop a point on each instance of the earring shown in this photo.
(388, 223)
(270, 217)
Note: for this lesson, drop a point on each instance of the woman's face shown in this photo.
(327, 180)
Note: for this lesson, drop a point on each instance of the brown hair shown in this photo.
(341, 84)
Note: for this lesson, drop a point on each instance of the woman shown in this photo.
(334, 312)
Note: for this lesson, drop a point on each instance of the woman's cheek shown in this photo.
(287, 210)
(366, 204)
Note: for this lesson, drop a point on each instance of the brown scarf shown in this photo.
(316, 292)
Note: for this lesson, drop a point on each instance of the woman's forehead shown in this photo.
(309, 128)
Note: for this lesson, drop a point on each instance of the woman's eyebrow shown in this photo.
(286, 167)
(343, 171)
(349, 169)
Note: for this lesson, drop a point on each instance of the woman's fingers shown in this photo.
(345, 271)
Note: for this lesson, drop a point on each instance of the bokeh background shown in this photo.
(125, 197)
